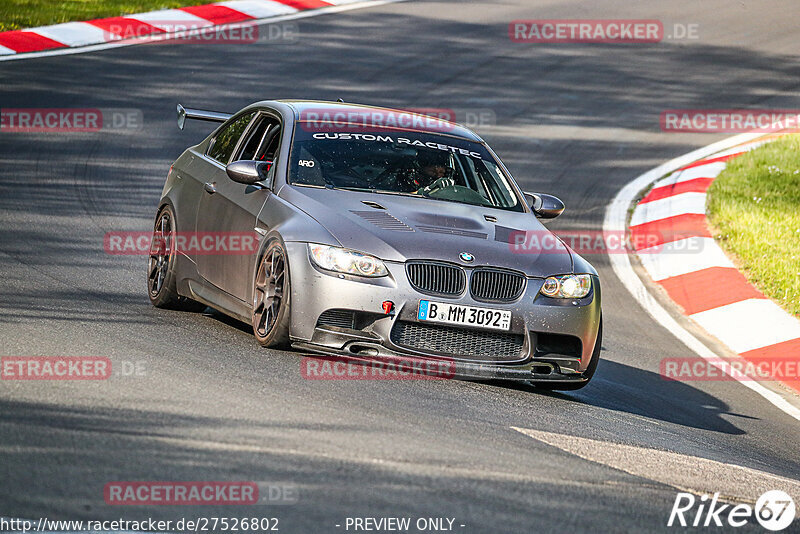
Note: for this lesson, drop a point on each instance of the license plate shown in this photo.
(443, 312)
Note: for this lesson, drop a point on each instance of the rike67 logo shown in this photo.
(774, 510)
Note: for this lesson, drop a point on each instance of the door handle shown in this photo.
(210, 187)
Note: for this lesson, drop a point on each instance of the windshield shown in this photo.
(401, 162)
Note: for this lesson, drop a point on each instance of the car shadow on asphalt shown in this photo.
(628, 389)
(618, 387)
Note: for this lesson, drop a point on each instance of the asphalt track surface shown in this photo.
(578, 121)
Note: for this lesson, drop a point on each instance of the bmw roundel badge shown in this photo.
(466, 256)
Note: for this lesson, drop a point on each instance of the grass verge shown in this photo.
(754, 210)
(19, 14)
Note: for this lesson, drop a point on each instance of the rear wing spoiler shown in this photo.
(200, 114)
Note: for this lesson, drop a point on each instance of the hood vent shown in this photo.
(383, 220)
(372, 204)
(451, 231)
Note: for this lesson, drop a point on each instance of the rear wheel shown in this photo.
(271, 298)
(161, 277)
(587, 374)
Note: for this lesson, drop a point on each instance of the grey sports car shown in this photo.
(374, 234)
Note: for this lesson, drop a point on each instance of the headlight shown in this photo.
(570, 286)
(346, 261)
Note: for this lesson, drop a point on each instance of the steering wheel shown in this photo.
(442, 183)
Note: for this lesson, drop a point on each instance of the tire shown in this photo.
(271, 298)
(587, 374)
(161, 277)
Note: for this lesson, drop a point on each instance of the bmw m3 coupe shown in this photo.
(374, 233)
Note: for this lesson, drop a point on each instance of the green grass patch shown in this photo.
(19, 14)
(754, 209)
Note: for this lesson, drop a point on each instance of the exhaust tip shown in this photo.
(541, 369)
(363, 350)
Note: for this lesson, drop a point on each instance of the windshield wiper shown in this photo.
(364, 189)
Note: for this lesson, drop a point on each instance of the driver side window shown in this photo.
(262, 140)
(224, 143)
(268, 149)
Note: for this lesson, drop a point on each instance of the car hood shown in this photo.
(399, 228)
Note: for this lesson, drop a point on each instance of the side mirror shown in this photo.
(545, 206)
(248, 172)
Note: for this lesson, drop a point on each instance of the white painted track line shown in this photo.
(73, 33)
(171, 19)
(681, 471)
(701, 171)
(682, 257)
(259, 8)
(669, 207)
(749, 324)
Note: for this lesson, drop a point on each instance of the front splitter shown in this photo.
(442, 368)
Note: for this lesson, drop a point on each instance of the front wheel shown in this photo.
(271, 297)
(587, 374)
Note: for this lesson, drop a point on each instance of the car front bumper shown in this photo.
(534, 317)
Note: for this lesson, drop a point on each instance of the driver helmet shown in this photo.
(433, 165)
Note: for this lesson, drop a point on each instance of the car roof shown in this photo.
(417, 119)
